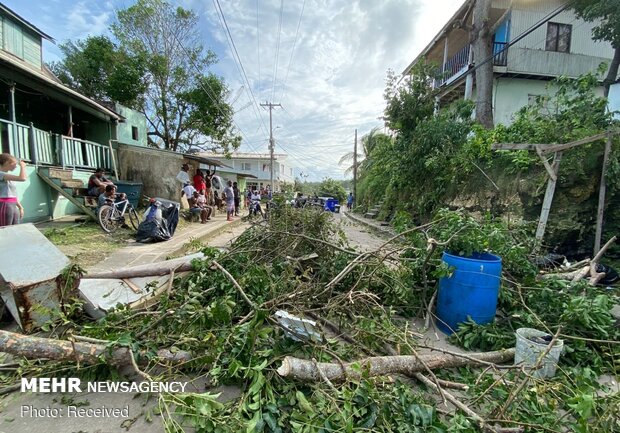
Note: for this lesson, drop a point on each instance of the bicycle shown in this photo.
(112, 215)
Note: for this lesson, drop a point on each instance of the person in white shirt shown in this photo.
(183, 176)
(255, 201)
(188, 190)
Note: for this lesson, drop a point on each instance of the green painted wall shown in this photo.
(133, 119)
(32, 49)
(41, 202)
(20, 41)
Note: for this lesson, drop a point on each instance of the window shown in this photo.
(558, 37)
(246, 166)
(134, 133)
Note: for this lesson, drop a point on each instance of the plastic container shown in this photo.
(527, 352)
(470, 292)
(132, 189)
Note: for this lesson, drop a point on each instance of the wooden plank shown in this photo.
(546, 207)
(515, 146)
(546, 164)
(565, 146)
(601, 197)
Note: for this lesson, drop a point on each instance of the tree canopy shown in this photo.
(157, 65)
(99, 69)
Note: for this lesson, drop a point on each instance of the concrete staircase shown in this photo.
(372, 213)
(62, 181)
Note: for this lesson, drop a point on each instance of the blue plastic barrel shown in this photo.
(471, 290)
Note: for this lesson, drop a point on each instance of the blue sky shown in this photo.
(329, 75)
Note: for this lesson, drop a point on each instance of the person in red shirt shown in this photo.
(199, 181)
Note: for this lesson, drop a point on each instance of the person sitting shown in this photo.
(255, 203)
(196, 208)
(203, 201)
(109, 196)
(97, 183)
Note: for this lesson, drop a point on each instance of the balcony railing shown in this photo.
(45, 148)
(500, 57)
(458, 64)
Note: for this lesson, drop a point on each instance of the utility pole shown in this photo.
(355, 169)
(271, 143)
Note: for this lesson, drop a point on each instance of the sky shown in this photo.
(324, 61)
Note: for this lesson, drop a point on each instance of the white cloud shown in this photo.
(335, 81)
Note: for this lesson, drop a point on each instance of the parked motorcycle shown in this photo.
(255, 208)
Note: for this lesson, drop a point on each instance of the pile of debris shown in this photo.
(319, 337)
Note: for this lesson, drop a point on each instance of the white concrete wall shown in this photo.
(614, 99)
(511, 94)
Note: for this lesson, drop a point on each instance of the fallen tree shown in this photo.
(303, 369)
(82, 352)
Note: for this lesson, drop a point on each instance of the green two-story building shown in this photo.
(47, 124)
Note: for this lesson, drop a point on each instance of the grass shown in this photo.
(86, 244)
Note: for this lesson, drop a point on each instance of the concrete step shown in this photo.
(370, 215)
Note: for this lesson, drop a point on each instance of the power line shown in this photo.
(238, 59)
(275, 67)
(290, 61)
(258, 46)
(213, 98)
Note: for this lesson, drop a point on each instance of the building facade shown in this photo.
(523, 66)
(45, 123)
(257, 168)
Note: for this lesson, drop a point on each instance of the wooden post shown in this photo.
(34, 159)
(546, 207)
(601, 197)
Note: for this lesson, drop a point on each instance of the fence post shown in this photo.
(34, 158)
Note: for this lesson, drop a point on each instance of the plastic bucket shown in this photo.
(470, 292)
(527, 352)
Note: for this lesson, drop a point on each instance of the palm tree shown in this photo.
(369, 142)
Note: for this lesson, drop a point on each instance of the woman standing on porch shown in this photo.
(11, 210)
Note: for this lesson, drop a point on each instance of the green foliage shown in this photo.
(606, 14)
(101, 70)
(185, 103)
(332, 188)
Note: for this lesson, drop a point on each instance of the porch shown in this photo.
(458, 65)
(45, 148)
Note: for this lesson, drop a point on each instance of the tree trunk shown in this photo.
(612, 74)
(182, 264)
(303, 369)
(87, 353)
(482, 46)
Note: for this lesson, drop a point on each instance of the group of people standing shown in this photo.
(202, 197)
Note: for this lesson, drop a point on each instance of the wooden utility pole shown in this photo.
(271, 143)
(355, 169)
(601, 197)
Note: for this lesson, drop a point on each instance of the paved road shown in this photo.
(359, 236)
